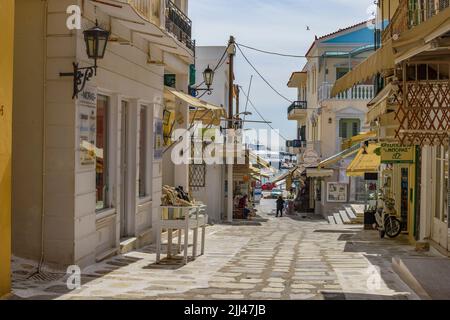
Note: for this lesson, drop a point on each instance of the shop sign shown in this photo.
(87, 123)
(395, 153)
(310, 157)
(88, 97)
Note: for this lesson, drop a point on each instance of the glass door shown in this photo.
(404, 197)
(124, 171)
(440, 225)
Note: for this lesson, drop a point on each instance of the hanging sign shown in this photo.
(87, 125)
(311, 157)
(395, 153)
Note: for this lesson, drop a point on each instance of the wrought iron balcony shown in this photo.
(298, 105)
(178, 24)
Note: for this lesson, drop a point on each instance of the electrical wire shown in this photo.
(261, 116)
(273, 53)
(219, 65)
(262, 77)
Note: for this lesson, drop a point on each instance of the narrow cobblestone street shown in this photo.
(277, 258)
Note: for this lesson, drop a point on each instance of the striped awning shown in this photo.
(208, 113)
(338, 157)
(366, 161)
(381, 60)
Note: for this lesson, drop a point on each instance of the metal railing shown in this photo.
(298, 105)
(412, 13)
(178, 24)
(358, 92)
(422, 11)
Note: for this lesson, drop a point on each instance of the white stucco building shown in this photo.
(88, 172)
(323, 121)
(212, 191)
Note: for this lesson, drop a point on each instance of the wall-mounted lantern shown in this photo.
(96, 40)
(208, 78)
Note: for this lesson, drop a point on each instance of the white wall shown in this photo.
(213, 194)
(74, 232)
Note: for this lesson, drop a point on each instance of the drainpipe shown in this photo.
(44, 132)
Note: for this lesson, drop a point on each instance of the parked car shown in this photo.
(276, 193)
(268, 186)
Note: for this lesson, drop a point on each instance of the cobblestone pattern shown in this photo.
(282, 258)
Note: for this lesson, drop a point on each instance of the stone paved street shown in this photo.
(279, 258)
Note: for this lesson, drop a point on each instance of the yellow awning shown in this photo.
(358, 138)
(206, 112)
(379, 105)
(418, 38)
(382, 59)
(286, 175)
(365, 161)
(259, 160)
(338, 157)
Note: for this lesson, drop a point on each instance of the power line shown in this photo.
(273, 53)
(262, 77)
(262, 117)
(219, 64)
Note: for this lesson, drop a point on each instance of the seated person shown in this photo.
(243, 206)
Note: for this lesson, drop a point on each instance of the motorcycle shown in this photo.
(386, 220)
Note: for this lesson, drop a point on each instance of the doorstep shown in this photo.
(428, 285)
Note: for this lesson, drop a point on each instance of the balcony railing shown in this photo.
(178, 24)
(298, 105)
(424, 10)
(412, 13)
(358, 92)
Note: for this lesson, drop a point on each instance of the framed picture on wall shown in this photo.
(337, 192)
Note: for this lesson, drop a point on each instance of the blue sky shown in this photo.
(272, 25)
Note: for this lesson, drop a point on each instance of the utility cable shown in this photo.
(261, 116)
(219, 64)
(273, 53)
(262, 77)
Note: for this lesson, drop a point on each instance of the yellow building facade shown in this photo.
(6, 81)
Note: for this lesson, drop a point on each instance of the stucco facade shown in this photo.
(55, 213)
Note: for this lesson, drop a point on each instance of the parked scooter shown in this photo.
(386, 220)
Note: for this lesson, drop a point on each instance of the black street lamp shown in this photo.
(96, 40)
(208, 78)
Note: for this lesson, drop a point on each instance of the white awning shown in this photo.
(318, 173)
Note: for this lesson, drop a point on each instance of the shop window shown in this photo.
(101, 153)
(143, 148)
(444, 71)
(197, 176)
(433, 71)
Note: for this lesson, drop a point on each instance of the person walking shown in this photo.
(280, 206)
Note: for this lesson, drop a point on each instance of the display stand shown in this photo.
(182, 219)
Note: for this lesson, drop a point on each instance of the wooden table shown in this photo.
(182, 219)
